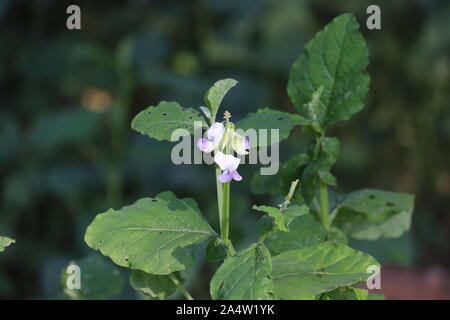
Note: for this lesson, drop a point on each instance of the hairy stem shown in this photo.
(324, 206)
(225, 223)
(180, 287)
(219, 196)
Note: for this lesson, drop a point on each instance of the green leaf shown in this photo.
(370, 214)
(215, 95)
(244, 276)
(334, 59)
(264, 226)
(216, 250)
(100, 279)
(161, 121)
(313, 110)
(283, 218)
(346, 293)
(336, 235)
(152, 235)
(327, 177)
(304, 232)
(269, 119)
(302, 273)
(330, 148)
(5, 242)
(154, 286)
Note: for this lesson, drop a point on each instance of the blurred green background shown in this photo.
(67, 98)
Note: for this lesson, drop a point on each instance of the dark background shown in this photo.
(67, 98)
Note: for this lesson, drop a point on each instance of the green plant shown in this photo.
(301, 251)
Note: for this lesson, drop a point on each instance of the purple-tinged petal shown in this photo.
(236, 176)
(205, 145)
(246, 143)
(238, 144)
(226, 176)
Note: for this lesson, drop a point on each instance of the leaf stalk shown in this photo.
(183, 291)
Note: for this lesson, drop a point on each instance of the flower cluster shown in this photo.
(217, 138)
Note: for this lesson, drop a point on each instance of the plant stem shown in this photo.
(225, 224)
(324, 206)
(180, 287)
(219, 196)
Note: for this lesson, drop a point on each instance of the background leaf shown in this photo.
(376, 296)
(99, 279)
(4, 242)
(280, 183)
(335, 59)
(371, 214)
(159, 122)
(302, 273)
(152, 235)
(67, 127)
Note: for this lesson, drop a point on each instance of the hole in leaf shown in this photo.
(126, 259)
(318, 272)
(280, 118)
(371, 196)
(390, 204)
(165, 114)
(154, 200)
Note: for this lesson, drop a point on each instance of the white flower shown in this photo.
(215, 134)
(228, 164)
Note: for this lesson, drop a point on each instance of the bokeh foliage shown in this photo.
(67, 98)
